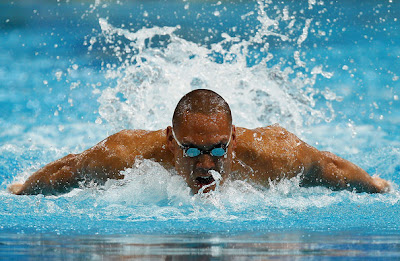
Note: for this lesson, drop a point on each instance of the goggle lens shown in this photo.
(218, 152)
(194, 152)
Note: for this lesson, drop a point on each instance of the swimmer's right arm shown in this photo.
(53, 178)
(98, 163)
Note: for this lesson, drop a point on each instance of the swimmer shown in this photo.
(205, 149)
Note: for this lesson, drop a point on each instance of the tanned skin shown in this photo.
(202, 120)
(257, 155)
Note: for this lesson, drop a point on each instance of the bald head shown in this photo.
(200, 101)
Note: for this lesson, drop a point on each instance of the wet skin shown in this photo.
(259, 156)
(200, 131)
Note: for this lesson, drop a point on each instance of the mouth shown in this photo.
(205, 180)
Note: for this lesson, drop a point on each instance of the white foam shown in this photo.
(216, 175)
(151, 79)
(148, 183)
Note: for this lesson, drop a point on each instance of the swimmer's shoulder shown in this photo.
(131, 142)
(137, 136)
(274, 131)
(262, 153)
(143, 143)
(270, 152)
(268, 140)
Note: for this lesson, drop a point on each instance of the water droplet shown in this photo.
(99, 121)
(58, 75)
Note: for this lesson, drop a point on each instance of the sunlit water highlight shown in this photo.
(325, 71)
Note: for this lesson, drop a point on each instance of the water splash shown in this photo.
(151, 199)
(157, 66)
(151, 69)
(148, 184)
(217, 179)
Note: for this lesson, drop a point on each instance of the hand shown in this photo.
(15, 188)
(381, 185)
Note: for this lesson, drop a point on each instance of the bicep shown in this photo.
(103, 161)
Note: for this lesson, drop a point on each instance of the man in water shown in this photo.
(203, 145)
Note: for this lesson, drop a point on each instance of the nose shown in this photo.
(205, 162)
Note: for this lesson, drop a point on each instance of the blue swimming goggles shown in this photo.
(218, 150)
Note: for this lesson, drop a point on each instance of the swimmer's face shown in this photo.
(204, 132)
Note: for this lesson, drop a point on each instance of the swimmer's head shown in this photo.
(202, 138)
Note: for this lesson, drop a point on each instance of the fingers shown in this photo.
(15, 188)
(382, 185)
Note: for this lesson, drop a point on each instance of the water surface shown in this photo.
(72, 73)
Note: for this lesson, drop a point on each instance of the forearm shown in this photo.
(60, 176)
(56, 177)
(339, 173)
(102, 162)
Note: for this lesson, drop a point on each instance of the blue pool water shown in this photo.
(72, 73)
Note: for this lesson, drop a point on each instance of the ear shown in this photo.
(170, 139)
(233, 139)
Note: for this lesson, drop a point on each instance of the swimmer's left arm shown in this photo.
(279, 151)
(337, 173)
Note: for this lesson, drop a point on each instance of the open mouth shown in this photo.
(205, 180)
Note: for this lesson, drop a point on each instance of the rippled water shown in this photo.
(71, 73)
